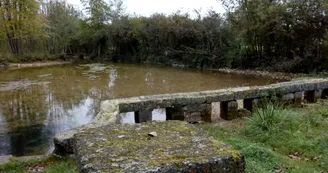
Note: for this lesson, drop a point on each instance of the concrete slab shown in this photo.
(176, 147)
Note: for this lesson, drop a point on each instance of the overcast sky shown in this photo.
(147, 7)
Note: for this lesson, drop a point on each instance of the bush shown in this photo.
(265, 116)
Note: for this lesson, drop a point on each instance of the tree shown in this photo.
(20, 21)
(62, 21)
(98, 12)
(274, 31)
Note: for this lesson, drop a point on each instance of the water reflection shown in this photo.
(37, 103)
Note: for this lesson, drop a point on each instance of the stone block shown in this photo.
(193, 113)
(215, 116)
(159, 115)
(298, 98)
(240, 104)
(288, 98)
(127, 118)
(317, 95)
(176, 147)
(63, 141)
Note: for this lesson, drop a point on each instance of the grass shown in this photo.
(49, 165)
(295, 141)
(274, 139)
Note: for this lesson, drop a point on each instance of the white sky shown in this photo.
(148, 7)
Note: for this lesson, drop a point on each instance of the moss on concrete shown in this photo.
(178, 147)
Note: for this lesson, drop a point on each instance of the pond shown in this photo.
(37, 103)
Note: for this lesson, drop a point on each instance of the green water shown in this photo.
(37, 103)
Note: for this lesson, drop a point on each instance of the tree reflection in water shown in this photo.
(37, 103)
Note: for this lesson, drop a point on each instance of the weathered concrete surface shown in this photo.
(215, 115)
(178, 147)
(111, 109)
(63, 141)
(109, 112)
(288, 98)
(299, 98)
(193, 113)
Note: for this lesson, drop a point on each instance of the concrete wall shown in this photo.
(199, 106)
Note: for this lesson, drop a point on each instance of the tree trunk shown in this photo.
(15, 45)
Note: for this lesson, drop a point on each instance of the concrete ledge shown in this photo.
(176, 146)
(63, 142)
(112, 108)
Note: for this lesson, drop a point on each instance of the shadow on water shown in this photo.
(37, 103)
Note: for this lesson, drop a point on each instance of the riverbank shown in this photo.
(33, 60)
(295, 141)
(39, 61)
(38, 64)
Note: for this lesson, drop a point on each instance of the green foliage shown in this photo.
(281, 31)
(297, 142)
(62, 21)
(290, 36)
(266, 112)
(20, 22)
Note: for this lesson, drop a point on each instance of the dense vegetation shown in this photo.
(289, 35)
(274, 139)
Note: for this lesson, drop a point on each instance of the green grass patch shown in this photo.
(49, 165)
(277, 139)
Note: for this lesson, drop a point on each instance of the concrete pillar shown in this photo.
(159, 115)
(309, 96)
(240, 104)
(229, 110)
(248, 104)
(215, 115)
(324, 94)
(193, 113)
(127, 118)
(288, 98)
(317, 95)
(298, 98)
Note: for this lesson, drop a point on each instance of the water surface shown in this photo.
(37, 103)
